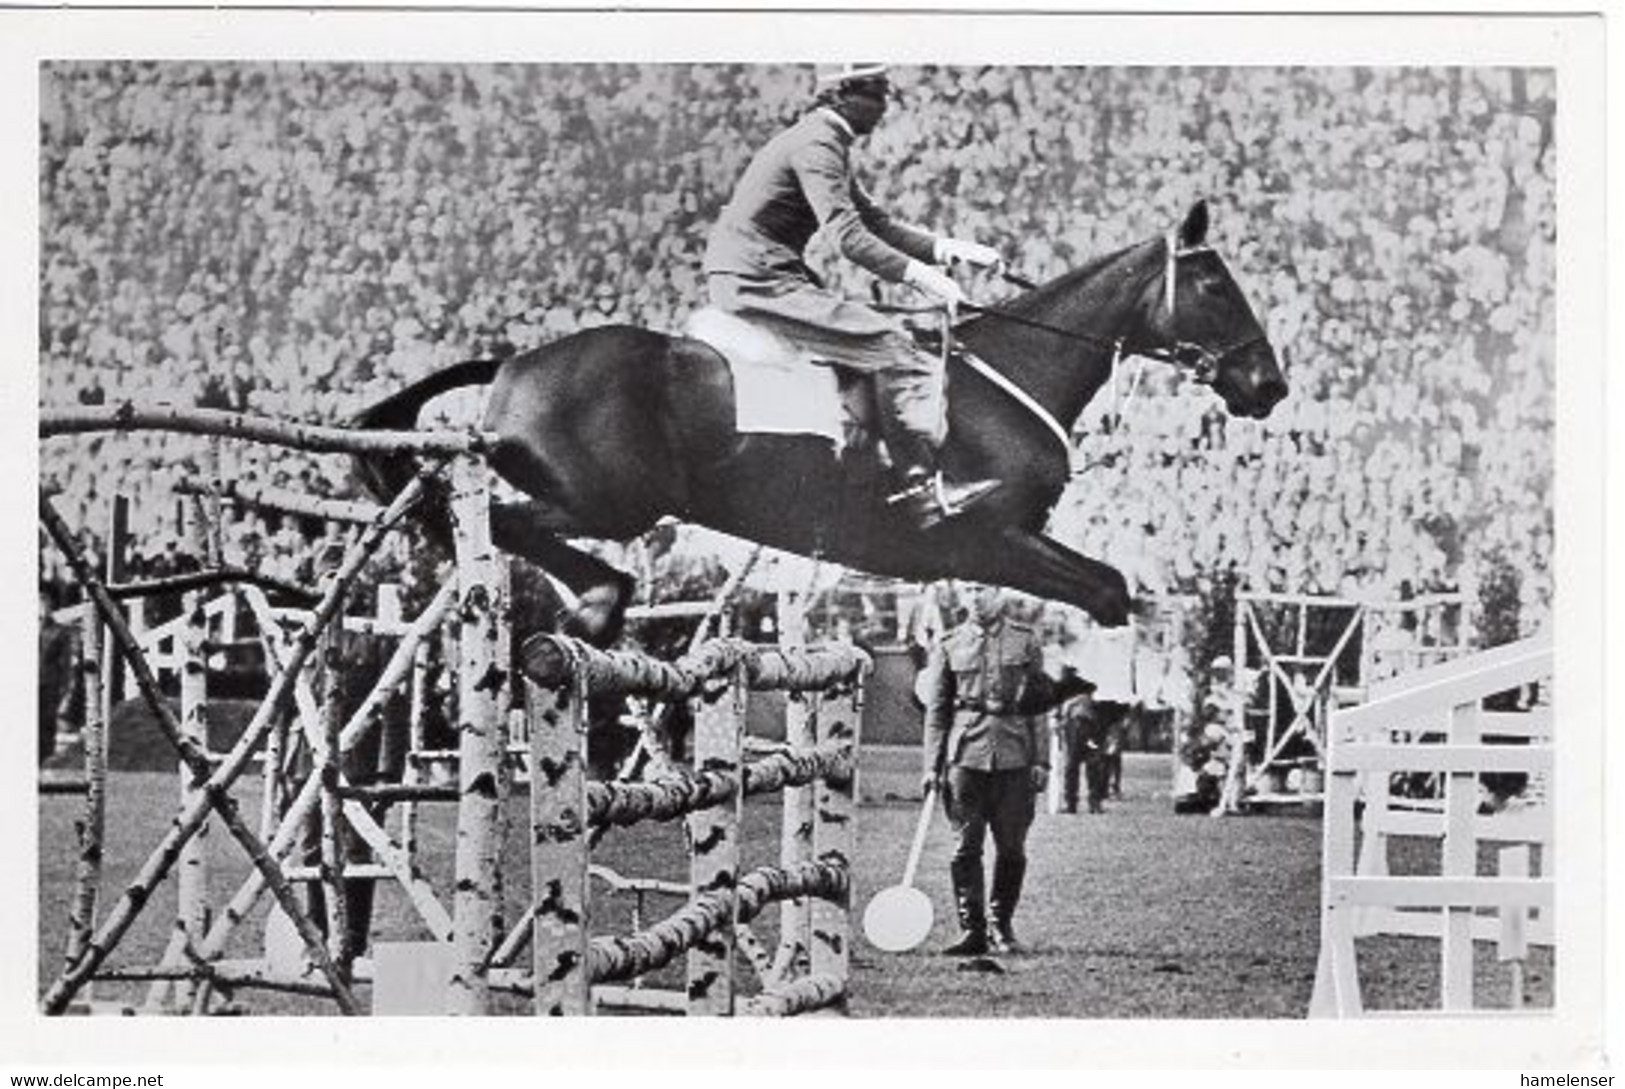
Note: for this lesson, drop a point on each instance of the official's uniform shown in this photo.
(754, 262)
(1081, 738)
(982, 736)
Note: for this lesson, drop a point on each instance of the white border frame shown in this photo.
(1573, 45)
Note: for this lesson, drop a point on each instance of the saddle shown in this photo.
(782, 388)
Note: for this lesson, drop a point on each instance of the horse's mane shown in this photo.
(1064, 284)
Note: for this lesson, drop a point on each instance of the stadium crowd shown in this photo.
(297, 240)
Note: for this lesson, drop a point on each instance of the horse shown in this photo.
(607, 430)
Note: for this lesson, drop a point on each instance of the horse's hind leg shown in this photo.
(526, 530)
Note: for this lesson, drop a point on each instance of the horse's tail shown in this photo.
(399, 411)
(384, 475)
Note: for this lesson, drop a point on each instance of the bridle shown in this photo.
(1203, 362)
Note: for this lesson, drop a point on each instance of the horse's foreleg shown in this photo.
(529, 530)
(1037, 565)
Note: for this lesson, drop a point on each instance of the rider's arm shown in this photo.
(917, 242)
(823, 168)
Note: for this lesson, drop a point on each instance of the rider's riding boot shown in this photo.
(1007, 877)
(909, 417)
(967, 879)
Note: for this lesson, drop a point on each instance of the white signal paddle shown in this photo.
(899, 918)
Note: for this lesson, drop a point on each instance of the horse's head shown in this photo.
(1196, 315)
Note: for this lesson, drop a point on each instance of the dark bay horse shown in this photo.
(609, 429)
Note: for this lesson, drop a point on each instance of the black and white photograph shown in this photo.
(932, 518)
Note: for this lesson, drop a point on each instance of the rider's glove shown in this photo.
(947, 251)
(935, 283)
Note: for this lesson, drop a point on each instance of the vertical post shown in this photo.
(499, 692)
(329, 769)
(1459, 858)
(212, 539)
(118, 547)
(796, 830)
(192, 880)
(109, 676)
(481, 743)
(1366, 618)
(1267, 757)
(713, 843)
(835, 828)
(1057, 763)
(1235, 776)
(415, 745)
(558, 847)
(1238, 667)
(1513, 946)
(89, 830)
(1375, 790)
(273, 784)
(1337, 980)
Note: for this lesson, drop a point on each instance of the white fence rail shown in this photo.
(1430, 728)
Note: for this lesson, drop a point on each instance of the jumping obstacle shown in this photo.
(479, 594)
(1304, 682)
(1433, 722)
(569, 965)
(470, 961)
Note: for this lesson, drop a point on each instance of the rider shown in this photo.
(802, 181)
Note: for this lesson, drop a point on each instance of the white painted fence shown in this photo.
(1432, 723)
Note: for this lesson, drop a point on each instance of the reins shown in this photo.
(1205, 362)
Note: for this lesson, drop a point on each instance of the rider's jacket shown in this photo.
(799, 181)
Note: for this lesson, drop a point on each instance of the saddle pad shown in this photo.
(778, 388)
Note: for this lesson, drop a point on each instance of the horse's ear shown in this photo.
(1193, 232)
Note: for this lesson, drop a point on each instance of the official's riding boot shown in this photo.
(1007, 878)
(968, 901)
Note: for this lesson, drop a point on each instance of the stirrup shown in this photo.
(917, 484)
(933, 499)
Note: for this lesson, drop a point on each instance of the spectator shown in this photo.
(298, 239)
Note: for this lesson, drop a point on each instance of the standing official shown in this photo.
(1078, 726)
(985, 746)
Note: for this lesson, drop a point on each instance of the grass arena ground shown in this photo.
(1136, 912)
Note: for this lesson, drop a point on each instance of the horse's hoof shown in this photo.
(1113, 613)
(594, 624)
(599, 616)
